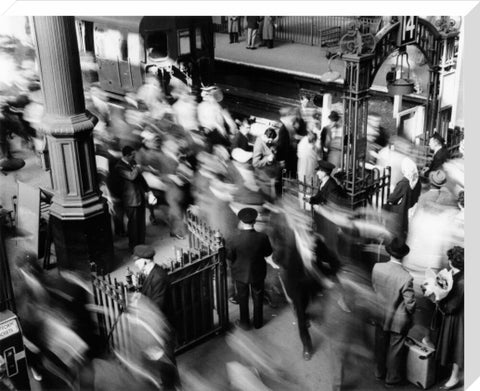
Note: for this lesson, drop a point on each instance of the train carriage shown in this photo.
(122, 47)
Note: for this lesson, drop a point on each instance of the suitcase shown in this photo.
(420, 364)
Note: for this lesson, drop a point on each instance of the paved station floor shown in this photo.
(278, 339)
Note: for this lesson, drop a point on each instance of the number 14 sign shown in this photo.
(408, 30)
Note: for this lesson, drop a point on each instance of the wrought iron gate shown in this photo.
(375, 192)
(111, 297)
(198, 286)
(197, 296)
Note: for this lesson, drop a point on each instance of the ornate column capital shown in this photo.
(61, 126)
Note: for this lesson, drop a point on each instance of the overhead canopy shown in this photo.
(141, 23)
(131, 23)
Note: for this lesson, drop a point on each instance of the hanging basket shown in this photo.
(401, 87)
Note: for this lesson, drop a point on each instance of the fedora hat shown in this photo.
(248, 215)
(333, 116)
(397, 249)
(438, 178)
(213, 91)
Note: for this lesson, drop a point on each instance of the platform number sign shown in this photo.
(408, 30)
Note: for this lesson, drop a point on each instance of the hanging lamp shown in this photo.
(401, 84)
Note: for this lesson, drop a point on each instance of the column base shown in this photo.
(80, 241)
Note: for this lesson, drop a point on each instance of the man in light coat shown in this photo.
(393, 286)
(268, 30)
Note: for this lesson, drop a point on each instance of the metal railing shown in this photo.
(300, 188)
(197, 297)
(315, 30)
(377, 187)
(375, 191)
(112, 298)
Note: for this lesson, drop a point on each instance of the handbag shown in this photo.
(151, 199)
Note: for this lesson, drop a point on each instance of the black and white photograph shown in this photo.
(232, 203)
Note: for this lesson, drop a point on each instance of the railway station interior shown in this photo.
(209, 203)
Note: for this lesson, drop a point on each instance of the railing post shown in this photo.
(312, 22)
(222, 282)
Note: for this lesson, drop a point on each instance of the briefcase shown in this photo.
(420, 364)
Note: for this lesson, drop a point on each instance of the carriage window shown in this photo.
(88, 31)
(198, 38)
(110, 44)
(157, 41)
(184, 42)
(99, 42)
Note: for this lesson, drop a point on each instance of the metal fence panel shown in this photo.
(376, 188)
(198, 295)
(315, 30)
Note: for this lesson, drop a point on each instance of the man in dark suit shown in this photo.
(241, 138)
(393, 286)
(440, 154)
(134, 188)
(155, 287)
(155, 283)
(329, 190)
(247, 251)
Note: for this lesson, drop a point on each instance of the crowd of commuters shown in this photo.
(168, 147)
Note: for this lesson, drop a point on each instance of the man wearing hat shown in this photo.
(134, 188)
(393, 286)
(156, 283)
(247, 251)
(292, 129)
(155, 287)
(329, 135)
(329, 189)
(438, 196)
(160, 65)
(440, 154)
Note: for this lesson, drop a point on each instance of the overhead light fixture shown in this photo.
(330, 76)
(401, 84)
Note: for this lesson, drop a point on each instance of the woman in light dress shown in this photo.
(308, 155)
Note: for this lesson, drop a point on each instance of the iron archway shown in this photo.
(361, 68)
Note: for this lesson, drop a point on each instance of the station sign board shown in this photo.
(407, 34)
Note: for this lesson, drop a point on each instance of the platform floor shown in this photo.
(309, 61)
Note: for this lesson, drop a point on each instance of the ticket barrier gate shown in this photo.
(13, 363)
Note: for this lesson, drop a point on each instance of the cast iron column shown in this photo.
(355, 105)
(78, 216)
